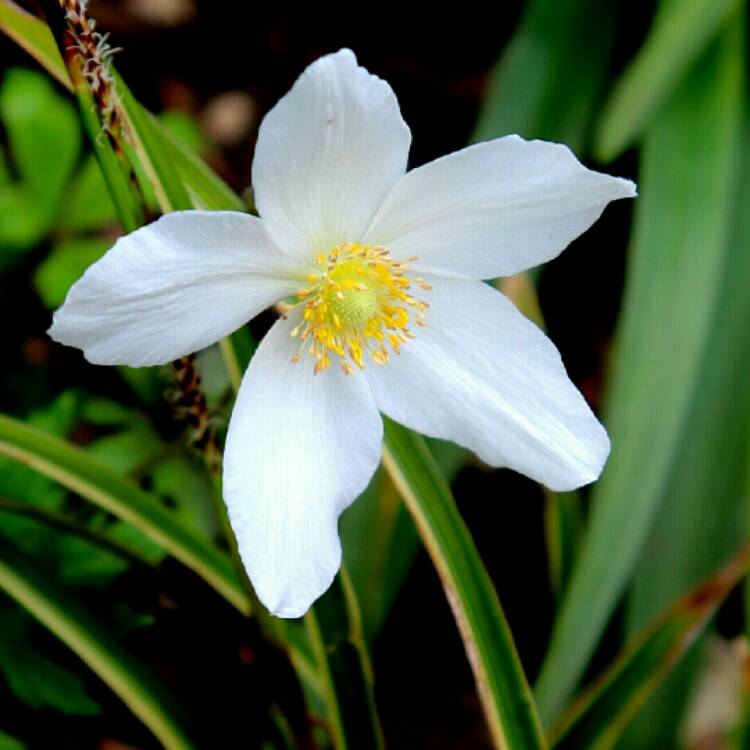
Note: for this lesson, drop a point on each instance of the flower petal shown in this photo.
(485, 377)
(172, 288)
(327, 155)
(493, 209)
(300, 448)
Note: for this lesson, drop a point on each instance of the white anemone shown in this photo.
(367, 251)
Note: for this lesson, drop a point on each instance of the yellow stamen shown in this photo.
(359, 304)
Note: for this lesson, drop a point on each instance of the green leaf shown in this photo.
(44, 135)
(91, 640)
(184, 482)
(689, 179)
(680, 33)
(152, 158)
(23, 222)
(552, 72)
(35, 37)
(179, 125)
(597, 719)
(10, 743)
(79, 472)
(207, 190)
(563, 529)
(64, 265)
(86, 204)
(127, 450)
(501, 684)
(336, 637)
(35, 679)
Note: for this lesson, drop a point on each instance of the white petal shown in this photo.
(172, 288)
(493, 209)
(485, 377)
(326, 156)
(300, 448)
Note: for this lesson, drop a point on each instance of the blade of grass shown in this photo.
(563, 529)
(596, 720)
(681, 31)
(80, 473)
(335, 634)
(63, 616)
(147, 143)
(35, 37)
(207, 190)
(550, 75)
(689, 178)
(501, 684)
(64, 523)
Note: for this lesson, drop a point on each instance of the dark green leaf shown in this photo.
(86, 203)
(10, 743)
(44, 135)
(64, 265)
(552, 72)
(34, 678)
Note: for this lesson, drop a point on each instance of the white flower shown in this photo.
(391, 313)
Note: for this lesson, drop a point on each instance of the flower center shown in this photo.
(358, 305)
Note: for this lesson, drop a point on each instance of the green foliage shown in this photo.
(44, 136)
(552, 73)
(64, 266)
(10, 743)
(680, 249)
(34, 678)
(44, 140)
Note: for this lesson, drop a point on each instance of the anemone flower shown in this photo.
(379, 273)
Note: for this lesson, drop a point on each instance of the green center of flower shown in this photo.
(358, 305)
(358, 299)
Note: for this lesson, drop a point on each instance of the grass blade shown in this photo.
(207, 190)
(35, 37)
(76, 470)
(335, 634)
(65, 524)
(501, 684)
(681, 31)
(552, 72)
(563, 529)
(146, 142)
(679, 251)
(597, 719)
(62, 615)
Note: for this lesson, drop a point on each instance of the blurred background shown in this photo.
(650, 310)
